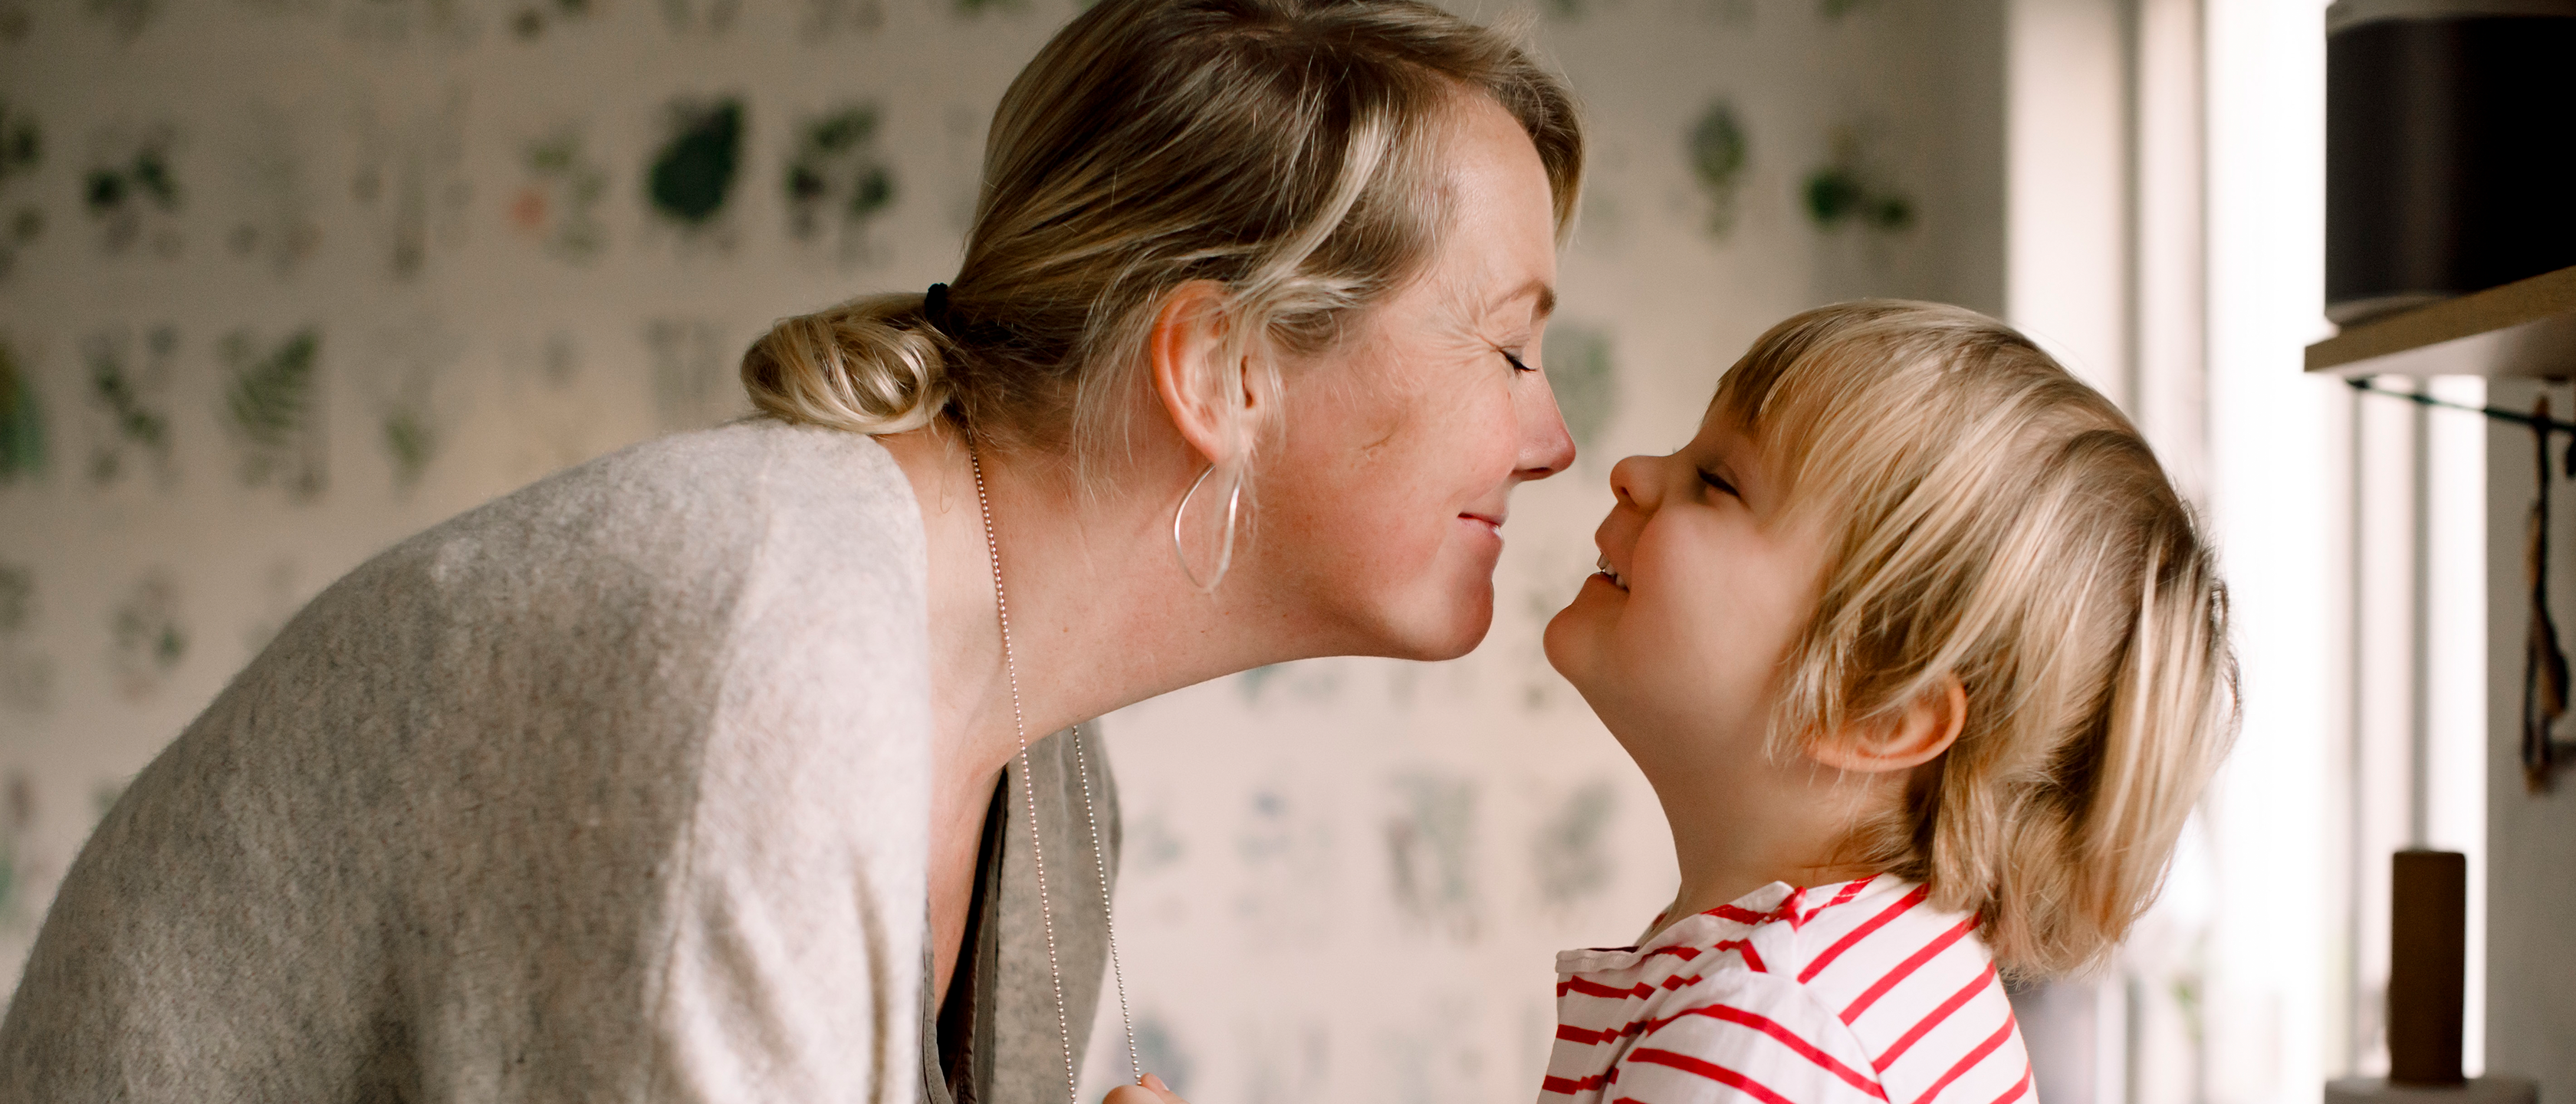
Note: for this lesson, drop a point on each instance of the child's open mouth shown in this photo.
(1608, 573)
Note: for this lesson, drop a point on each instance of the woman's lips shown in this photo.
(1491, 525)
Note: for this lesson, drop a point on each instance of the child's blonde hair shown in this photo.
(1994, 519)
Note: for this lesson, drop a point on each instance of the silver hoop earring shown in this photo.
(1225, 548)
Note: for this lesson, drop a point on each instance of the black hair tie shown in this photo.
(934, 307)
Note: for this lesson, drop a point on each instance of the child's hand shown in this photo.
(1153, 1091)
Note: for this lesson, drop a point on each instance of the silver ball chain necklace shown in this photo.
(1029, 798)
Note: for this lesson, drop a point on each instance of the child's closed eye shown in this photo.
(1719, 483)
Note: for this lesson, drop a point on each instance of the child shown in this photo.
(1927, 663)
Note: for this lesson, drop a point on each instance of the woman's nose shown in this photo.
(1546, 447)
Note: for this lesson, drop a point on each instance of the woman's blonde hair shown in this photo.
(1996, 521)
(1284, 149)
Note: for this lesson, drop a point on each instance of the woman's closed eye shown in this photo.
(1514, 359)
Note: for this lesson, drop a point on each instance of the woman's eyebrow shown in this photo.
(1545, 293)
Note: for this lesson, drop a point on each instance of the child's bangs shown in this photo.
(1830, 397)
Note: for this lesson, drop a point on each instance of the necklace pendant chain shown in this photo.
(1029, 799)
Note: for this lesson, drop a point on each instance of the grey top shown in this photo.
(997, 1041)
(614, 789)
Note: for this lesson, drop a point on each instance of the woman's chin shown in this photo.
(1445, 628)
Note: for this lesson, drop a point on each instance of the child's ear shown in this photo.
(1918, 735)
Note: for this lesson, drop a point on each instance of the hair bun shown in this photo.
(857, 366)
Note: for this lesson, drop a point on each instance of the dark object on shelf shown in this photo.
(2428, 906)
(2428, 926)
(2448, 167)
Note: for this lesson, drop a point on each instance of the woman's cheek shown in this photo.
(1467, 438)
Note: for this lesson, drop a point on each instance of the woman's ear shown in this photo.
(1918, 734)
(1210, 402)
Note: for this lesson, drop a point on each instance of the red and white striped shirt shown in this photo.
(1858, 993)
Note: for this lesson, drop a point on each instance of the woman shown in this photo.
(692, 773)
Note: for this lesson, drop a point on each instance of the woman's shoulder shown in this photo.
(650, 700)
(648, 583)
(749, 448)
(756, 473)
(643, 594)
(681, 521)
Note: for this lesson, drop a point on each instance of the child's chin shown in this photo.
(1568, 643)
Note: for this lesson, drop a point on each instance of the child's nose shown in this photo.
(1633, 481)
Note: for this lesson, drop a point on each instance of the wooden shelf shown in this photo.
(2526, 328)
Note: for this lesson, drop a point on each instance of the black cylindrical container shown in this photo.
(2428, 909)
(2450, 148)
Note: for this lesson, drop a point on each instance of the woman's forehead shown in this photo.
(1498, 204)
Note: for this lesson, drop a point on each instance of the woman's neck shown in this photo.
(1100, 615)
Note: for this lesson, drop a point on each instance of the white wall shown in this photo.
(2531, 837)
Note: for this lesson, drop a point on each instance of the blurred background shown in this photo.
(282, 281)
